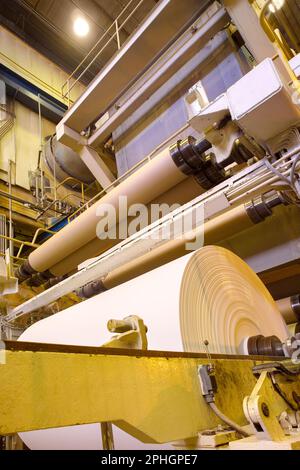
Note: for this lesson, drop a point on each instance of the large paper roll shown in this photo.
(155, 298)
(208, 295)
(223, 302)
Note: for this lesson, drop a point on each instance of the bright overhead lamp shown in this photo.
(81, 27)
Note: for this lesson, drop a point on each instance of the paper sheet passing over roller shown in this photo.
(208, 295)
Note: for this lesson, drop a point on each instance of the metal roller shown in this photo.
(77, 241)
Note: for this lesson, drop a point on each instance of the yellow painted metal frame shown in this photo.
(154, 396)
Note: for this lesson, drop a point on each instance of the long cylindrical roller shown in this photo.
(180, 194)
(155, 178)
(290, 309)
(166, 170)
(215, 230)
(224, 226)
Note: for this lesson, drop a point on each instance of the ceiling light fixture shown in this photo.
(81, 27)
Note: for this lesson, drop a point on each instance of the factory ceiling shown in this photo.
(47, 25)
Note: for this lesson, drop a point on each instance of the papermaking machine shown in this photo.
(247, 161)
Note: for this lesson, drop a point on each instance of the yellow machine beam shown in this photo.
(154, 396)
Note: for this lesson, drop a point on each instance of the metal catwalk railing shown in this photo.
(111, 34)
